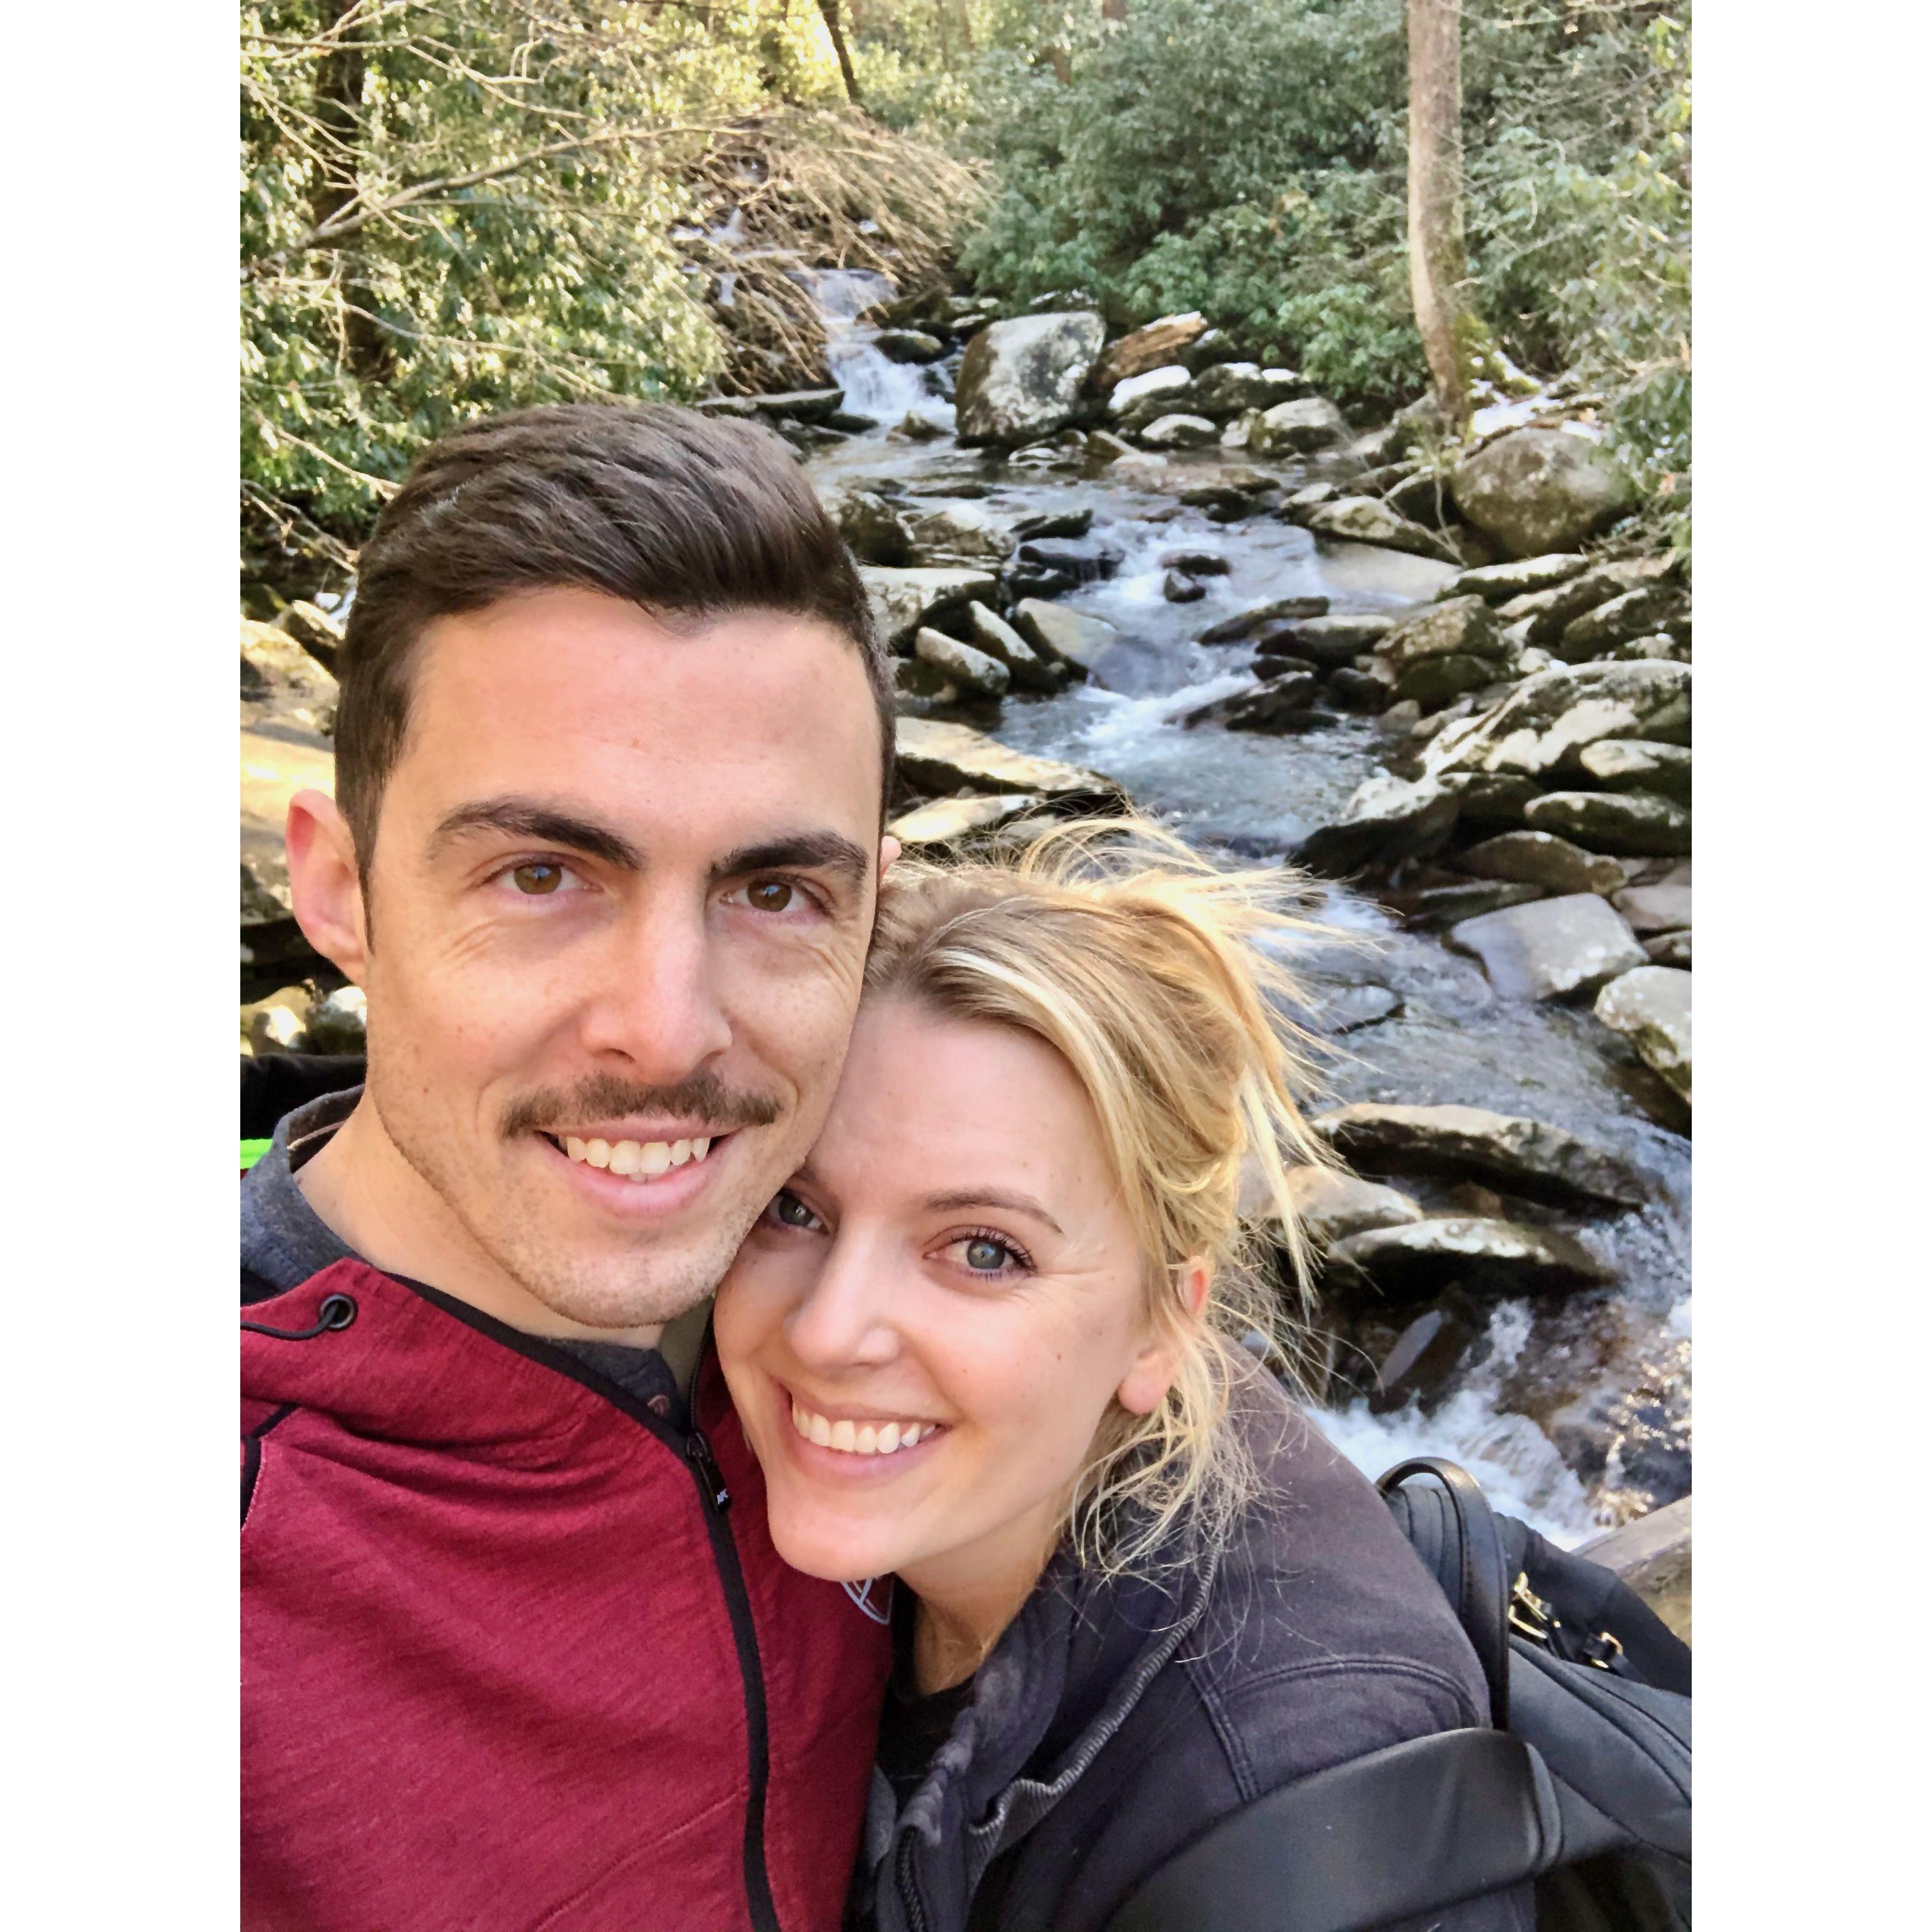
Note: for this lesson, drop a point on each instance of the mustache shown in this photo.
(604, 1096)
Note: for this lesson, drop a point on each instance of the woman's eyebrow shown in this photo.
(960, 1198)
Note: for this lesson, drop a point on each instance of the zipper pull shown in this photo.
(699, 1450)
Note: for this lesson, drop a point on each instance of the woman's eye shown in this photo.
(989, 1254)
(789, 1211)
(537, 878)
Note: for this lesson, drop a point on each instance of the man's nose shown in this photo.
(844, 1320)
(658, 1006)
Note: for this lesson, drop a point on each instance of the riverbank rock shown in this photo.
(1651, 909)
(1537, 490)
(1650, 1007)
(1462, 627)
(1365, 520)
(318, 633)
(874, 530)
(903, 600)
(1540, 728)
(1155, 392)
(960, 533)
(1499, 583)
(1433, 682)
(1548, 613)
(1466, 899)
(949, 821)
(1418, 1367)
(1552, 949)
(1670, 949)
(815, 407)
(1298, 427)
(1331, 1205)
(1636, 764)
(937, 759)
(1342, 1009)
(1178, 432)
(908, 345)
(1629, 824)
(1486, 1256)
(1058, 632)
(994, 635)
(973, 670)
(1387, 818)
(1154, 344)
(1640, 612)
(1331, 642)
(1521, 1157)
(1542, 858)
(1236, 629)
(1277, 704)
(1021, 379)
(283, 684)
(1231, 388)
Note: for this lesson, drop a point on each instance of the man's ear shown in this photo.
(889, 849)
(1154, 1369)
(324, 883)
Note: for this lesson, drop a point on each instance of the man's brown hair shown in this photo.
(679, 513)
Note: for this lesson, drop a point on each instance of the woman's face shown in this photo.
(926, 1329)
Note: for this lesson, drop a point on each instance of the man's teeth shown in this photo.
(638, 1160)
(861, 1439)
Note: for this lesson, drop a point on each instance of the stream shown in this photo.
(1574, 1412)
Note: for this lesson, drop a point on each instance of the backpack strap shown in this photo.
(1460, 1539)
(1415, 1828)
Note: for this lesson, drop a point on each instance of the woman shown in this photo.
(981, 1344)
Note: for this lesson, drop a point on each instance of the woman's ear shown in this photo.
(1152, 1375)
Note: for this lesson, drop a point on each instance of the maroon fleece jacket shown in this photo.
(517, 1652)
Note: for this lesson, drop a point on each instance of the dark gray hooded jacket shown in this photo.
(1115, 1722)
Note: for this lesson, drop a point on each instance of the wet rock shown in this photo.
(1279, 704)
(1537, 490)
(1489, 1257)
(951, 821)
(1387, 818)
(1369, 687)
(1638, 824)
(317, 632)
(1423, 497)
(1364, 520)
(1641, 613)
(1196, 563)
(874, 530)
(1542, 858)
(1029, 581)
(1463, 627)
(1331, 1206)
(1491, 800)
(340, 1024)
(1329, 640)
(937, 759)
(1650, 1007)
(1154, 345)
(903, 600)
(994, 635)
(908, 345)
(1449, 905)
(1021, 379)
(1522, 1156)
(1298, 508)
(1103, 447)
(1307, 423)
(1049, 524)
(1231, 388)
(1551, 612)
(1435, 682)
(1178, 432)
(789, 406)
(1088, 562)
(1649, 909)
(1058, 632)
(1670, 949)
(1233, 630)
(1634, 764)
(916, 426)
(1347, 1009)
(1426, 1354)
(967, 532)
(1555, 948)
(1157, 392)
(1499, 583)
(1179, 589)
(1542, 726)
(1271, 664)
(920, 691)
(973, 670)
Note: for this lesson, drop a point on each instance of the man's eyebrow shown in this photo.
(797, 851)
(543, 824)
(992, 1197)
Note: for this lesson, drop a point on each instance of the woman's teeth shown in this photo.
(637, 1160)
(860, 1438)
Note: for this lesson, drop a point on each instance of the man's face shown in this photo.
(621, 893)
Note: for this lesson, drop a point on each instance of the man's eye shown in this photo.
(789, 1211)
(770, 896)
(539, 877)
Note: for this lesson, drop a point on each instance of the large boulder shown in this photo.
(1540, 728)
(1387, 818)
(1463, 627)
(1521, 1157)
(1058, 632)
(1536, 490)
(972, 670)
(1650, 1007)
(1628, 824)
(1636, 764)
(1021, 379)
(1498, 582)
(903, 600)
(1552, 949)
(1422, 1258)
(1331, 642)
(937, 759)
(1542, 858)
(1365, 520)
(1155, 343)
(1331, 1205)
(1298, 427)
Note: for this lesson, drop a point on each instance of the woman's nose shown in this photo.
(843, 1321)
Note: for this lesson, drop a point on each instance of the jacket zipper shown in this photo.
(915, 1905)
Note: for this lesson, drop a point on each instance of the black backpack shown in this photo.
(1582, 1787)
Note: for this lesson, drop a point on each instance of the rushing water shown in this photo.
(1597, 1382)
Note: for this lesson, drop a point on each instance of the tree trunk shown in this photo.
(1437, 263)
(339, 80)
(830, 8)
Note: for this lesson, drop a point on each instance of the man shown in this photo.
(612, 754)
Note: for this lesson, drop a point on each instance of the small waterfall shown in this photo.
(875, 385)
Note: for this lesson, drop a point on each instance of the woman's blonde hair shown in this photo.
(1153, 974)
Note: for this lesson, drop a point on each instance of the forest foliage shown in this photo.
(451, 206)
